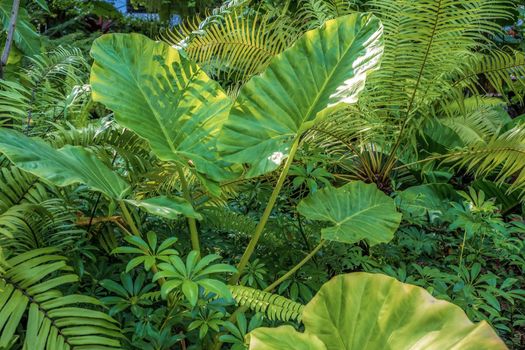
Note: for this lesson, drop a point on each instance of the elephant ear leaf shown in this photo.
(356, 211)
(324, 68)
(63, 167)
(166, 207)
(157, 92)
(364, 311)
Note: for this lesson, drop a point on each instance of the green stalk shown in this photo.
(462, 249)
(295, 268)
(129, 219)
(275, 284)
(194, 234)
(267, 211)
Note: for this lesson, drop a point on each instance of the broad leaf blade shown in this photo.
(167, 207)
(363, 311)
(163, 97)
(326, 67)
(357, 211)
(63, 167)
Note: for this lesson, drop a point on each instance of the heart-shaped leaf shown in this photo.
(357, 211)
(326, 67)
(162, 96)
(363, 311)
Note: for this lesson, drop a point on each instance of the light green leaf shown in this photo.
(357, 211)
(191, 291)
(363, 311)
(324, 68)
(63, 167)
(163, 97)
(167, 207)
(284, 337)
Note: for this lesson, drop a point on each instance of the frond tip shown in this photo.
(54, 321)
(504, 154)
(274, 306)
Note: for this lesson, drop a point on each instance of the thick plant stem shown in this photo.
(194, 234)
(129, 219)
(295, 268)
(266, 215)
(10, 37)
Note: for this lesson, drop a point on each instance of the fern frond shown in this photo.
(54, 321)
(415, 71)
(232, 47)
(503, 157)
(50, 88)
(313, 13)
(274, 306)
(17, 186)
(500, 70)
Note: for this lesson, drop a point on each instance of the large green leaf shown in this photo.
(324, 68)
(66, 166)
(162, 96)
(363, 311)
(357, 211)
(167, 207)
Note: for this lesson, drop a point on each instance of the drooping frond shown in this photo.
(274, 306)
(313, 13)
(233, 46)
(498, 70)
(54, 320)
(426, 42)
(502, 157)
(48, 90)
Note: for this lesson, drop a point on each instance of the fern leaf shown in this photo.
(274, 306)
(54, 321)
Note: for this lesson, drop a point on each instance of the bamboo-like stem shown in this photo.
(295, 268)
(266, 215)
(192, 224)
(129, 220)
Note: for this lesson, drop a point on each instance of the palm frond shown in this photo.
(54, 320)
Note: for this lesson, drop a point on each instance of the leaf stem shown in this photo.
(129, 219)
(295, 268)
(192, 224)
(266, 214)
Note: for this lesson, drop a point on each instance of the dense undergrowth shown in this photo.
(263, 175)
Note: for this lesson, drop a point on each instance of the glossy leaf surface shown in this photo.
(363, 311)
(66, 166)
(162, 96)
(324, 68)
(357, 211)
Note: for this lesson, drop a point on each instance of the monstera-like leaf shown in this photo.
(324, 68)
(154, 90)
(357, 211)
(66, 166)
(363, 311)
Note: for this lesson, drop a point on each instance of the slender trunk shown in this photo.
(10, 36)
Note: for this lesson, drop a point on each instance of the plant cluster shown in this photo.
(313, 174)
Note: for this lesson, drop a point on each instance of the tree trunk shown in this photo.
(10, 36)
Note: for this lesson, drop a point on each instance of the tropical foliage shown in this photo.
(312, 174)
